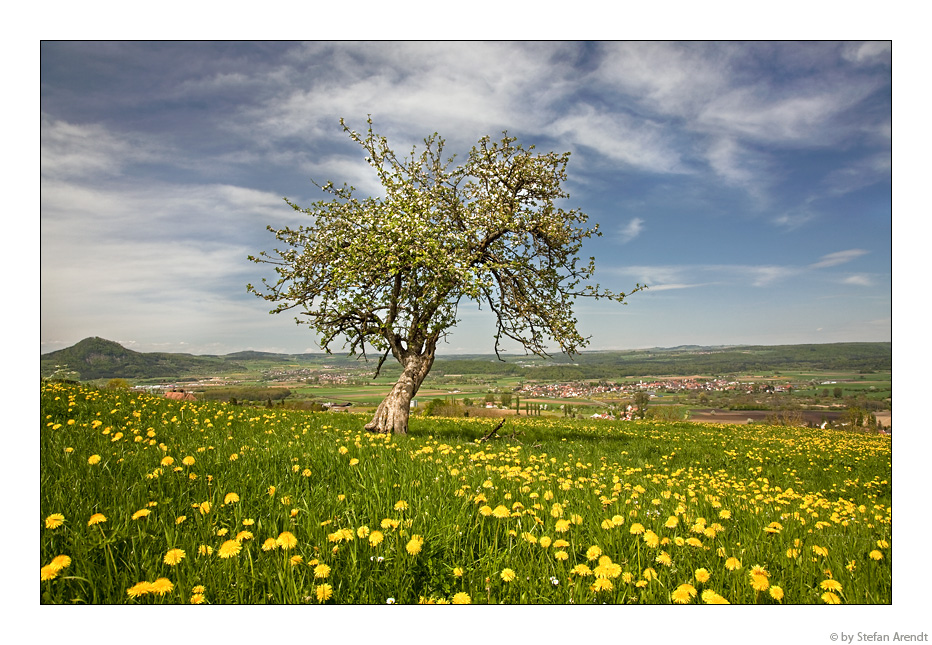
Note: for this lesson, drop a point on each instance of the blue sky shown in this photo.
(748, 184)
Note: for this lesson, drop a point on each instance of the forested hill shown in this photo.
(857, 357)
(97, 358)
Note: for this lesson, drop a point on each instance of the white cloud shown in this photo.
(631, 230)
(859, 280)
(839, 257)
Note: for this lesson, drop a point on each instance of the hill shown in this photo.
(97, 358)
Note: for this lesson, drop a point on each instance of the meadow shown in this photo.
(149, 501)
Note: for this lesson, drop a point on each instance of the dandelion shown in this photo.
(271, 491)
(204, 507)
(562, 526)
(820, 550)
(776, 592)
(205, 550)
(375, 538)
(561, 555)
(286, 540)
(167, 461)
(457, 572)
(672, 522)
(296, 560)
(414, 544)
(759, 582)
(324, 592)
(401, 505)
(141, 513)
(664, 559)
(243, 535)
(830, 585)
(321, 571)
(618, 520)
(875, 555)
(197, 599)
(544, 542)
(139, 589)
(702, 575)
(732, 564)
(270, 544)
(485, 510)
(830, 599)
(248, 522)
(60, 562)
(362, 532)
(188, 461)
(508, 575)
(649, 574)
(180, 519)
(710, 597)
(48, 572)
(462, 598)
(636, 529)
(581, 570)
(501, 512)
(199, 589)
(54, 520)
(353, 461)
(651, 539)
(93, 460)
(229, 549)
(602, 584)
(173, 557)
(161, 586)
(683, 594)
(231, 498)
(593, 553)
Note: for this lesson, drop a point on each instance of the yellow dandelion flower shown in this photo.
(830, 599)
(199, 589)
(776, 592)
(231, 498)
(636, 529)
(501, 512)
(139, 589)
(401, 505)
(96, 518)
(271, 491)
(664, 559)
(161, 586)
(353, 462)
(180, 519)
(60, 562)
(485, 510)
(702, 575)
(462, 598)
(562, 526)
(362, 532)
(167, 461)
(593, 553)
(683, 594)
(830, 585)
(618, 520)
(732, 564)
(388, 523)
(544, 542)
(321, 571)
(141, 513)
(649, 574)
(48, 572)
(229, 549)
(820, 550)
(457, 572)
(324, 592)
(54, 520)
(581, 570)
(93, 460)
(508, 575)
(296, 560)
(197, 599)
(561, 555)
(651, 539)
(205, 549)
(243, 535)
(875, 555)
(560, 544)
(375, 538)
(188, 461)
(710, 597)
(173, 557)
(602, 584)
(672, 522)
(414, 544)
(204, 507)
(759, 582)
(270, 544)
(286, 540)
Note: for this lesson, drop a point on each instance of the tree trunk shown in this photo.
(392, 413)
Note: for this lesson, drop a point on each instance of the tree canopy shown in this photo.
(390, 271)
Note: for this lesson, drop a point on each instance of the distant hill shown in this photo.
(97, 358)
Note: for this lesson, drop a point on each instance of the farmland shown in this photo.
(144, 500)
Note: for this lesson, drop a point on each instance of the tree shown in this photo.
(641, 400)
(389, 272)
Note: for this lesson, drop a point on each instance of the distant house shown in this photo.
(180, 395)
(338, 407)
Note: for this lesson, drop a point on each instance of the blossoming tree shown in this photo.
(389, 272)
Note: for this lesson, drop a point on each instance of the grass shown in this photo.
(579, 511)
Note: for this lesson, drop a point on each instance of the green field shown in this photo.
(145, 500)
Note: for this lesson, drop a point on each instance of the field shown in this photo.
(150, 501)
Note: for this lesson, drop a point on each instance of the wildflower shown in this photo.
(724, 514)
(820, 550)
(618, 520)
(414, 544)
(231, 498)
(204, 507)
(593, 553)
(457, 572)
(324, 592)
(664, 559)
(389, 601)
(561, 555)
(392, 524)
(710, 597)
(375, 538)
(556, 510)
(180, 519)
(560, 544)
(199, 589)
(485, 510)
(362, 532)
(501, 512)
(636, 529)
(672, 522)
(875, 555)
(702, 575)
(287, 540)
(776, 592)
(830, 599)
(649, 574)
(243, 535)
(830, 585)
(581, 570)
(554, 581)
(321, 571)
(562, 526)
(296, 560)
(248, 522)
(93, 460)
(759, 582)
(141, 513)
(188, 461)
(173, 557)
(683, 594)
(167, 461)
(222, 532)
(205, 550)
(271, 491)
(353, 461)
(197, 599)
(229, 549)
(732, 564)
(507, 575)
(696, 542)
(544, 542)
(161, 586)
(139, 589)
(601, 584)
(270, 544)
(48, 572)
(401, 505)
(651, 539)
(54, 520)
(462, 598)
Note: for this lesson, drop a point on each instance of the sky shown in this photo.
(748, 184)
